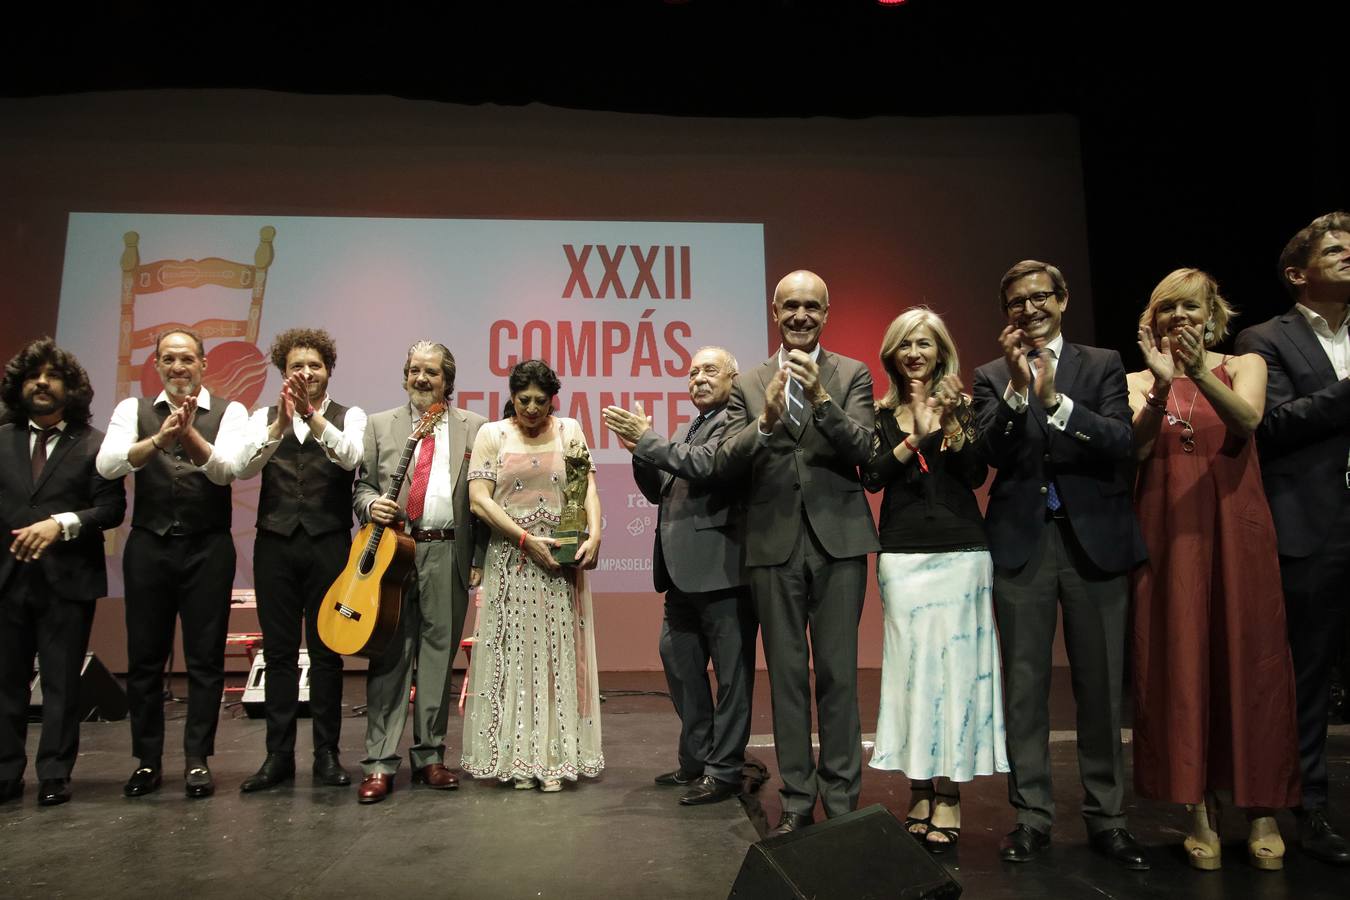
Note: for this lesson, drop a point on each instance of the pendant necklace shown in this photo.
(1187, 430)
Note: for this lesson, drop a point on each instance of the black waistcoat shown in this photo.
(302, 487)
(172, 493)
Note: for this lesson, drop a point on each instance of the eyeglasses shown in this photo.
(1038, 300)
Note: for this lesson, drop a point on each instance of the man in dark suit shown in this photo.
(306, 447)
(696, 561)
(1304, 444)
(1055, 422)
(798, 427)
(54, 507)
(434, 504)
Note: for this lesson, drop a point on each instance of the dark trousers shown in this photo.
(35, 623)
(291, 574)
(167, 578)
(813, 592)
(721, 626)
(1096, 606)
(1315, 607)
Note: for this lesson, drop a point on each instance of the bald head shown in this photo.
(802, 279)
(801, 306)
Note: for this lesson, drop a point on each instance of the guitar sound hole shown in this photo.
(367, 562)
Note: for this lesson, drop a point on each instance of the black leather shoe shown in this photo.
(276, 768)
(53, 791)
(1118, 845)
(678, 778)
(197, 782)
(11, 789)
(789, 822)
(1320, 840)
(1023, 844)
(145, 780)
(327, 769)
(709, 790)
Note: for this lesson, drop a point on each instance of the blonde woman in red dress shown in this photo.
(1213, 679)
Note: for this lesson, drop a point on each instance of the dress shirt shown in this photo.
(438, 511)
(112, 462)
(1059, 420)
(341, 447)
(70, 523)
(1337, 345)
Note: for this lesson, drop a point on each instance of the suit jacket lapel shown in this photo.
(1305, 339)
(400, 429)
(458, 431)
(22, 455)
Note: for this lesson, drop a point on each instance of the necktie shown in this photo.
(694, 427)
(417, 494)
(1052, 501)
(796, 402)
(40, 449)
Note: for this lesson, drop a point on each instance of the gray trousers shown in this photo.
(816, 592)
(1096, 606)
(429, 629)
(721, 626)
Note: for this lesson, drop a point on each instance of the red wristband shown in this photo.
(523, 536)
(923, 463)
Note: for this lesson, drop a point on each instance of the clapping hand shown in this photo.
(627, 426)
(1013, 341)
(923, 409)
(1190, 350)
(1158, 357)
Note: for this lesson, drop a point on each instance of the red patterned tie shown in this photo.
(417, 494)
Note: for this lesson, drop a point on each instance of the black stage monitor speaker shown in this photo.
(863, 855)
(101, 695)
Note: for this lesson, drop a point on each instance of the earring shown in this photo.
(1209, 332)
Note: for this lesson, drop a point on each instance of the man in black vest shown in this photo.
(53, 510)
(183, 446)
(306, 447)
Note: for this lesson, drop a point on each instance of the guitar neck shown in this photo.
(395, 485)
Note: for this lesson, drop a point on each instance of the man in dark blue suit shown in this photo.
(1304, 443)
(54, 508)
(1054, 421)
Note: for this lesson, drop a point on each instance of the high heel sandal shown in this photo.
(919, 792)
(950, 834)
(1265, 847)
(1204, 849)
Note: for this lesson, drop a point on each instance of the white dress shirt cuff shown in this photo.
(1059, 420)
(1016, 399)
(70, 525)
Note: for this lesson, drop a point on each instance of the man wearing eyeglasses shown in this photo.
(1304, 443)
(696, 561)
(1054, 421)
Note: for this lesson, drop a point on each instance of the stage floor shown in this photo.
(616, 836)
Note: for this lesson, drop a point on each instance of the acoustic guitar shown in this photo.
(359, 615)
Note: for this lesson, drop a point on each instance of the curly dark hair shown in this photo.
(536, 372)
(315, 339)
(79, 392)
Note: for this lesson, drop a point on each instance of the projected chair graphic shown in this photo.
(236, 369)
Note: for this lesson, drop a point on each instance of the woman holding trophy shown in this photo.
(532, 714)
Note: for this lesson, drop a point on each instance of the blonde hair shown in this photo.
(1184, 284)
(901, 327)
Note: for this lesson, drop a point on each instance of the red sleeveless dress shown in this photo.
(1213, 678)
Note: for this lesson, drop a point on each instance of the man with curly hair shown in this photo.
(306, 446)
(54, 507)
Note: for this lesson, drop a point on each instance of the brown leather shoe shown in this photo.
(375, 788)
(436, 776)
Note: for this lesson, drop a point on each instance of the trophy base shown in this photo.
(565, 554)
